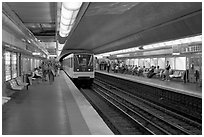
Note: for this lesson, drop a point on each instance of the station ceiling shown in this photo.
(109, 26)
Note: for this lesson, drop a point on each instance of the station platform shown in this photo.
(180, 87)
(52, 109)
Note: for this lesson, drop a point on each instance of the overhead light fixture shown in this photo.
(72, 5)
(36, 53)
(69, 13)
(60, 46)
(23, 40)
(29, 41)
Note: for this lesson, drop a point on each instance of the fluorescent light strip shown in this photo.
(156, 45)
(69, 13)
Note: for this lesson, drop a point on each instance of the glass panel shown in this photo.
(131, 62)
(14, 65)
(153, 61)
(180, 63)
(147, 63)
(32, 65)
(7, 56)
(171, 62)
(127, 61)
(136, 62)
(141, 62)
(84, 59)
(161, 63)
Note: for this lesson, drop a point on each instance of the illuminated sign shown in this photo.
(192, 48)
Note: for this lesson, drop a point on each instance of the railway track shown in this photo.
(162, 121)
(117, 119)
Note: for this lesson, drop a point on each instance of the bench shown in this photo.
(176, 74)
(5, 100)
(21, 83)
(15, 86)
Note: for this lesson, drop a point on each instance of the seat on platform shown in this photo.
(5, 99)
(176, 74)
(21, 83)
(15, 86)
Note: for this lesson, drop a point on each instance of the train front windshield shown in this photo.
(84, 62)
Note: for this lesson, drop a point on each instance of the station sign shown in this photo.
(192, 48)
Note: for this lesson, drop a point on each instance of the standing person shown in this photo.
(167, 71)
(108, 66)
(44, 70)
(50, 72)
(58, 68)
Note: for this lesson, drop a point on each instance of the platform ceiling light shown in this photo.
(176, 42)
(168, 43)
(29, 41)
(157, 45)
(69, 13)
(60, 46)
(148, 47)
(36, 53)
(197, 38)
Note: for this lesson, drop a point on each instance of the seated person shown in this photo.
(140, 71)
(161, 74)
(135, 70)
(156, 70)
(151, 73)
(36, 73)
(116, 68)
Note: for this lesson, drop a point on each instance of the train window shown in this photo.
(14, 65)
(7, 56)
(84, 60)
(90, 60)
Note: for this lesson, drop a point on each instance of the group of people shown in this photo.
(48, 69)
(136, 70)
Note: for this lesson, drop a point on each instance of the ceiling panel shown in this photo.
(107, 26)
(103, 29)
(39, 18)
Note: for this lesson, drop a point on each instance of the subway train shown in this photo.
(80, 68)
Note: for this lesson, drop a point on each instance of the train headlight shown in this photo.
(77, 69)
(89, 69)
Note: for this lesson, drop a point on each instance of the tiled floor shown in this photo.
(38, 111)
(50, 109)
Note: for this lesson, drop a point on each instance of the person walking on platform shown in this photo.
(167, 68)
(51, 72)
(44, 70)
